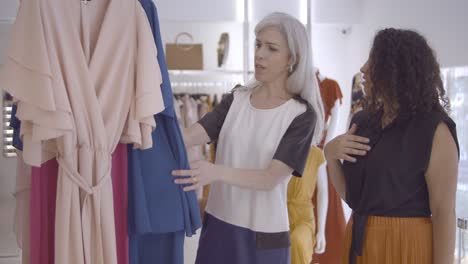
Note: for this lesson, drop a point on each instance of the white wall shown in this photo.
(340, 56)
(200, 10)
(336, 11)
(261, 8)
(331, 56)
(443, 23)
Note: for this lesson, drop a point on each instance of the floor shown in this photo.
(9, 252)
(12, 260)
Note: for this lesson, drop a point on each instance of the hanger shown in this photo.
(320, 76)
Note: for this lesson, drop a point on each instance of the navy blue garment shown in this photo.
(161, 248)
(160, 212)
(15, 123)
(221, 242)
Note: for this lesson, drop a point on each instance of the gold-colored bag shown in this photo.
(184, 56)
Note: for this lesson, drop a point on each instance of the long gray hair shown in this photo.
(302, 79)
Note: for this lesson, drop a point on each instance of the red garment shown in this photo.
(335, 229)
(42, 209)
(331, 92)
(42, 212)
(120, 189)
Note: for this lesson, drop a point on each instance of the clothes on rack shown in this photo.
(49, 57)
(190, 108)
(119, 174)
(161, 214)
(38, 211)
(184, 102)
(191, 116)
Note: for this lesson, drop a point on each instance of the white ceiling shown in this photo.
(326, 11)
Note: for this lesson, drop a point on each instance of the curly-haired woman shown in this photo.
(400, 167)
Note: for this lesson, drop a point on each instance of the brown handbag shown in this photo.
(184, 56)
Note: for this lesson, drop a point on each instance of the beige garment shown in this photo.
(178, 110)
(203, 109)
(191, 117)
(22, 194)
(85, 76)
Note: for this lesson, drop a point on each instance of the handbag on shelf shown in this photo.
(184, 56)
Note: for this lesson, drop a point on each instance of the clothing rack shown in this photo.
(204, 82)
(8, 149)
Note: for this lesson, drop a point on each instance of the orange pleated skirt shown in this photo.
(392, 240)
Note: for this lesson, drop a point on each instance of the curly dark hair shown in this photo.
(404, 72)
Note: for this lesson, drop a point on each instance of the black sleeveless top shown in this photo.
(390, 180)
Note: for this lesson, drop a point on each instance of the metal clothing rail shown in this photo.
(209, 82)
(7, 131)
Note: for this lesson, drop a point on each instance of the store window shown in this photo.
(456, 83)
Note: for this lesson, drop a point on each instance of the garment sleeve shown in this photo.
(15, 123)
(331, 93)
(320, 156)
(423, 135)
(294, 147)
(28, 74)
(358, 118)
(337, 94)
(147, 99)
(213, 121)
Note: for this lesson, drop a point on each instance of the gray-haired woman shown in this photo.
(264, 132)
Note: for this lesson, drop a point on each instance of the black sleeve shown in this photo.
(213, 121)
(423, 132)
(294, 147)
(359, 118)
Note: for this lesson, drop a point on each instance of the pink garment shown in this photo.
(22, 196)
(120, 188)
(85, 80)
(42, 210)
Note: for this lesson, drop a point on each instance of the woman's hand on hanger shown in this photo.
(201, 173)
(346, 146)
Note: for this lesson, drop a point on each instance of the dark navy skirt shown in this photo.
(223, 243)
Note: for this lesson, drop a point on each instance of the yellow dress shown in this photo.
(300, 209)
